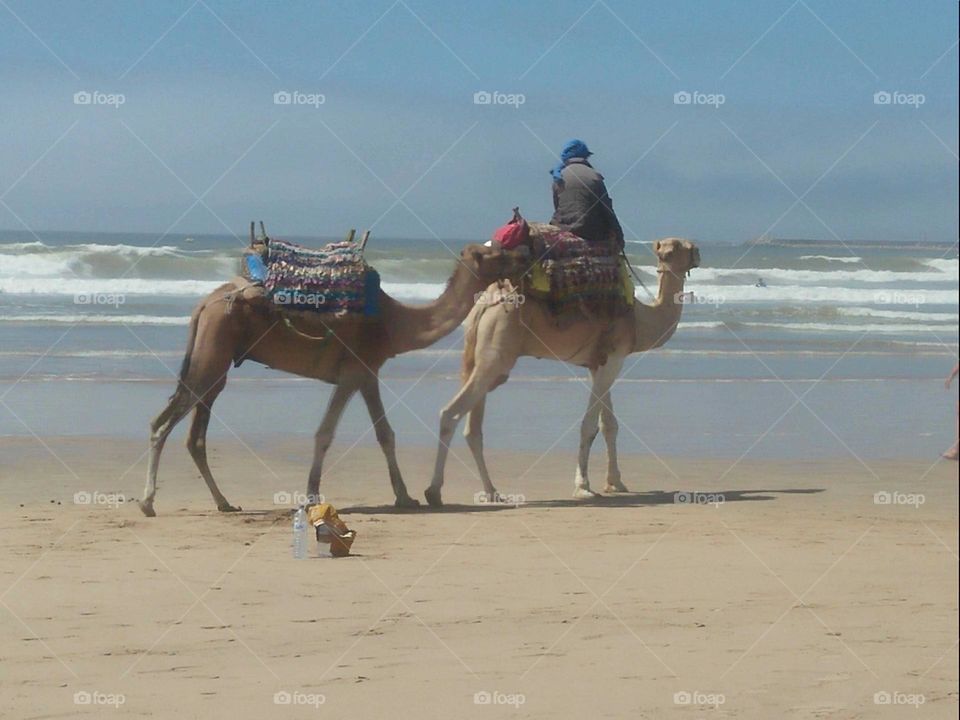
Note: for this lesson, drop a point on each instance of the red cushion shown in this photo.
(512, 234)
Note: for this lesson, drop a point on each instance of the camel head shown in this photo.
(494, 263)
(676, 255)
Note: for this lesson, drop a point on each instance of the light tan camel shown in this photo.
(227, 327)
(497, 335)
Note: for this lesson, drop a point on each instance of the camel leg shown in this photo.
(474, 437)
(588, 431)
(180, 403)
(609, 428)
(603, 379)
(469, 395)
(338, 402)
(370, 391)
(197, 447)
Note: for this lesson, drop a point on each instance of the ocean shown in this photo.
(93, 326)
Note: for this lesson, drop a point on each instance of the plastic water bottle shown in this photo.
(300, 534)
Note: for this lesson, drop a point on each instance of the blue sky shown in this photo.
(798, 117)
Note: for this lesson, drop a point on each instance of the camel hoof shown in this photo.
(618, 488)
(433, 497)
(147, 509)
(227, 507)
(407, 502)
(584, 494)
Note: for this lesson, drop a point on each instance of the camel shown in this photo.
(498, 334)
(231, 325)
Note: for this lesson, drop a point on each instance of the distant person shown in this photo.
(761, 283)
(952, 453)
(580, 200)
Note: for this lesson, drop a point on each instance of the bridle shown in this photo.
(661, 269)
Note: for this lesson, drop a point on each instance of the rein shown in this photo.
(636, 275)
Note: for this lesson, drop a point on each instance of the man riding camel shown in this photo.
(580, 200)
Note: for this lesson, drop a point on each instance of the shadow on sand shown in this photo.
(633, 499)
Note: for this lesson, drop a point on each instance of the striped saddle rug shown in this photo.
(334, 279)
(576, 274)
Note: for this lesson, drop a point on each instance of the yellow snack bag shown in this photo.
(330, 528)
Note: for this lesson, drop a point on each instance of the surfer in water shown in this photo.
(760, 283)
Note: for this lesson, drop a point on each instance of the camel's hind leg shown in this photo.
(205, 366)
(178, 406)
(197, 447)
(473, 433)
(370, 391)
(474, 390)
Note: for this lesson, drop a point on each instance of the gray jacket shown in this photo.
(582, 206)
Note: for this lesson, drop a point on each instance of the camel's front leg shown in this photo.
(588, 431)
(338, 402)
(370, 391)
(603, 378)
(609, 428)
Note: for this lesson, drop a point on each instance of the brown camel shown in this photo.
(228, 327)
(498, 334)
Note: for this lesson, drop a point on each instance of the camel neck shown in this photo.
(669, 288)
(412, 327)
(657, 322)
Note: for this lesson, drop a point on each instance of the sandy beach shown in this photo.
(722, 236)
(790, 591)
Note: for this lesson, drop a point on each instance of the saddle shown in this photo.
(571, 273)
(334, 280)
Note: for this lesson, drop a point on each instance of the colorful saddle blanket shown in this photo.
(334, 279)
(575, 273)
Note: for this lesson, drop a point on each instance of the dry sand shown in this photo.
(796, 597)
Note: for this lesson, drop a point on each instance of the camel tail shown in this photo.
(191, 339)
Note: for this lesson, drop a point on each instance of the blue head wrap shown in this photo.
(572, 149)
